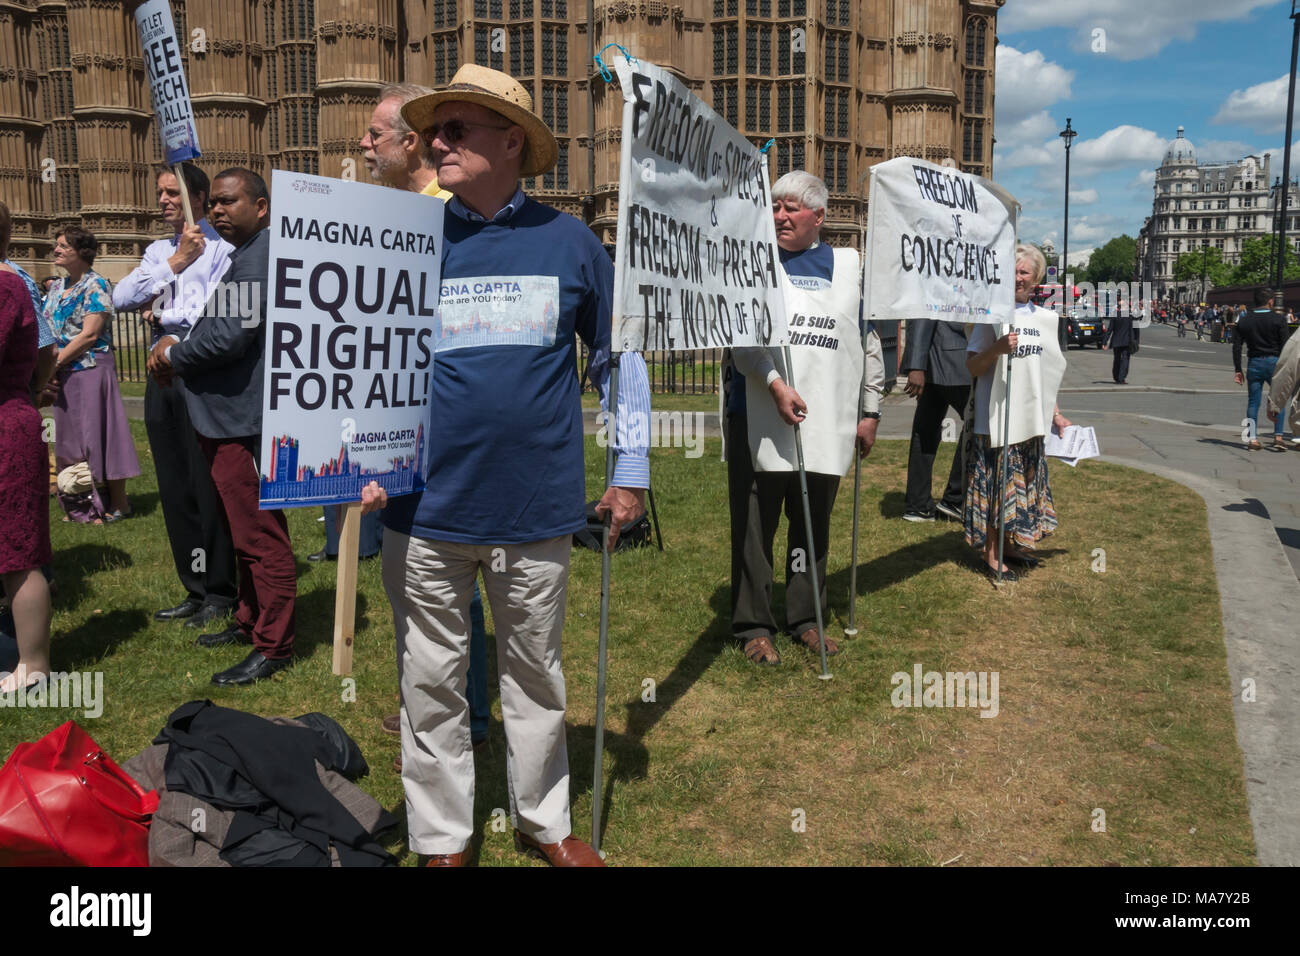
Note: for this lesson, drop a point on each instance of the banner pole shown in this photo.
(1002, 468)
(808, 528)
(345, 591)
(598, 772)
(185, 193)
(852, 629)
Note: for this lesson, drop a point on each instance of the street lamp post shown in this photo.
(1286, 149)
(1067, 290)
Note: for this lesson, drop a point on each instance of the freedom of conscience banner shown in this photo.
(171, 95)
(697, 264)
(942, 244)
(352, 296)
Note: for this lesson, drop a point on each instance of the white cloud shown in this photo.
(1084, 197)
(1261, 108)
(1080, 258)
(1144, 179)
(1224, 150)
(1026, 156)
(1027, 83)
(1122, 146)
(1121, 28)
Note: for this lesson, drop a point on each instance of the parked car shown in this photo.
(1084, 330)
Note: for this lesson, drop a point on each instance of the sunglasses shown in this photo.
(453, 132)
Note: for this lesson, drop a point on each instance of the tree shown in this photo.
(1188, 267)
(1116, 261)
(1259, 262)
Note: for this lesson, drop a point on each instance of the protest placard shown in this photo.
(697, 264)
(353, 291)
(166, 73)
(941, 244)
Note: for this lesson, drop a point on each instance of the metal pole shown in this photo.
(591, 112)
(1286, 150)
(852, 629)
(1067, 287)
(598, 773)
(1002, 467)
(808, 528)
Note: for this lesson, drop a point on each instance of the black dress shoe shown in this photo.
(187, 608)
(231, 635)
(207, 614)
(322, 556)
(252, 668)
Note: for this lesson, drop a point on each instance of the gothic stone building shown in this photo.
(838, 84)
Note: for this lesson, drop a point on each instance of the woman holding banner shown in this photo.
(1014, 406)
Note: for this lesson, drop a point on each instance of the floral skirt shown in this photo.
(1026, 495)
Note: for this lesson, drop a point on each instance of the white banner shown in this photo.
(352, 299)
(697, 264)
(942, 244)
(171, 94)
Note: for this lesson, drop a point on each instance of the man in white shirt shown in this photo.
(173, 281)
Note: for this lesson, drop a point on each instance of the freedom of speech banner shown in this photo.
(171, 94)
(942, 244)
(697, 264)
(353, 291)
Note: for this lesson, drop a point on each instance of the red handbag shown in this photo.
(64, 802)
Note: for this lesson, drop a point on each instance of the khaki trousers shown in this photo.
(430, 585)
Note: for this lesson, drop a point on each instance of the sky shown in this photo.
(1128, 73)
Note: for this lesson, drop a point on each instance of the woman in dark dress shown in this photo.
(24, 480)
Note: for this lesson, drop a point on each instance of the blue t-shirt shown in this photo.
(505, 427)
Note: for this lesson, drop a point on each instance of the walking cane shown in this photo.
(808, 528)
(598, 773)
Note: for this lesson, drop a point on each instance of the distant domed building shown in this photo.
(1205, 204)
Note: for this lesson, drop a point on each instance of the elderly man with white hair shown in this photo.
(823, 297)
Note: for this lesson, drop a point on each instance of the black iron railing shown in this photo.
(131, 339)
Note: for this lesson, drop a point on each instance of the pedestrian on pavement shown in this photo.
(1123, 340)
(1263, 332)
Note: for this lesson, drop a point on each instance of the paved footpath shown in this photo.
(1180, 416)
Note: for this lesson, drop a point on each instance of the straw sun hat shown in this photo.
(500, 93)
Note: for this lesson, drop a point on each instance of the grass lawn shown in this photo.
(1113, 687)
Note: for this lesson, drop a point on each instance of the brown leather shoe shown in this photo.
(446, 859)
(568, 852)
(393, 725)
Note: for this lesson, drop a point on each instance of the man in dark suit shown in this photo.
(1122, 339)
(219, 368)
(934, 358)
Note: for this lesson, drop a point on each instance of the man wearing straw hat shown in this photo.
(505, 490)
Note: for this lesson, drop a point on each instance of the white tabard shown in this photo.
(1036, 373)
(827, 375)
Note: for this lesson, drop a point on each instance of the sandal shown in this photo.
(759, 650)
(809, 640)
(1279, 444)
